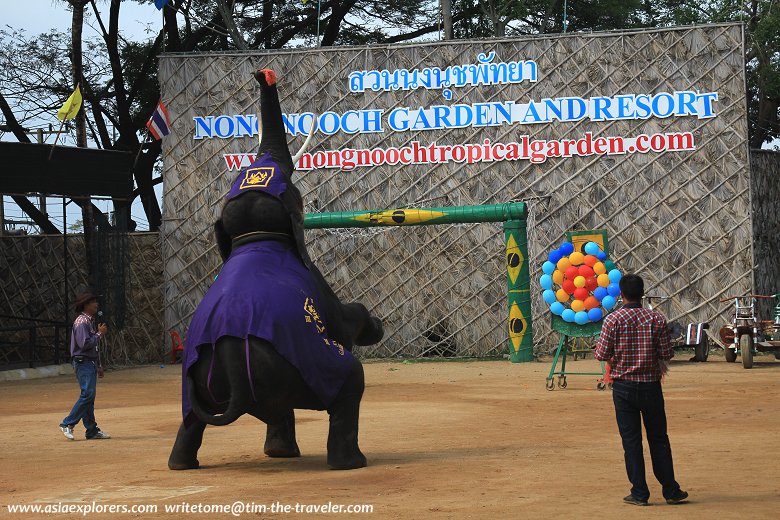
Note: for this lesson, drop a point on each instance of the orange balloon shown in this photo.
(563, 264)
(603, 280)
(561, 295)
(599, 268)
(591, 302)
(580, 281)
(576, 258)
(577, 306)
(557, 277)
(590, 260)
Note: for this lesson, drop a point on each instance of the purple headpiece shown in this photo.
(262, 175)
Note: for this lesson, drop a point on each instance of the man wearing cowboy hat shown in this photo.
(86, 362)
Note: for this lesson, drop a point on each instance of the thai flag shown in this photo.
(159, 124)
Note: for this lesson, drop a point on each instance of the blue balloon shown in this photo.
(557, 308)
(566, 248)
(554, 256)
(608, 302)
(601, 255)
(549, 296)
(613, 290)
(581, 318)
(546, 282)
(548, 267)
(615, 275)
(568, 315)
(595, 314)
(592, 248)
(600, 292)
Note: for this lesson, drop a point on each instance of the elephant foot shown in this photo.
(181, 465)
(353, 460)
(281, 451)
(184, 454)
(280, 438)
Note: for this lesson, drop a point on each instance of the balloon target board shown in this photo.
(580, 286)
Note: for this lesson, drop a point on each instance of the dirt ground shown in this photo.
(443, 440)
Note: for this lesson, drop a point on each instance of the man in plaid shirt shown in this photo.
(635, 343)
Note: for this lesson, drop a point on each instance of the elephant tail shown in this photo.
(239, 381)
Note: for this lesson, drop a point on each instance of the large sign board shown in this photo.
(641, 133)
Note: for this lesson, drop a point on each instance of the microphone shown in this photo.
(100, 319)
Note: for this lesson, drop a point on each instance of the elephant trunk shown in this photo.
(274, 139)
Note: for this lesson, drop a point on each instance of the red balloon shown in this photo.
(590, 260)
(568, 286)
(592, 283)
(580, 293)
(585, 271)
(571, 273)
(591, 302)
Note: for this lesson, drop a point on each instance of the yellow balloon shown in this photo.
(561, 295)
(603, 280)
(576, 258)
(577, 305)
(580, 281)
(599, 268)
(563, 264)
(557, 277)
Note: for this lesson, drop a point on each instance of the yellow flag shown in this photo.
(71, 107)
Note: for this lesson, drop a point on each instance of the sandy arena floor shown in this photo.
(444, 440)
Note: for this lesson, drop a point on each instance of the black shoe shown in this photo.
(634, 501)
(679, 496)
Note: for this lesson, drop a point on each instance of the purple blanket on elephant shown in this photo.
(265, 291)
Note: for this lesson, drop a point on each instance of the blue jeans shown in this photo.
(84, 409)
(646, 400)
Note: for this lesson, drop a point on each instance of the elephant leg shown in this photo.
(185, 450)
(280, 437)
(343, 450)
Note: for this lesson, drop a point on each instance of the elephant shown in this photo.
(270, 335)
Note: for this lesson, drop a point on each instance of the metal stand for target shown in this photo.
(569, 331)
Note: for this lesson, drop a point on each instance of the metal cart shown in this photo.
(745, 335)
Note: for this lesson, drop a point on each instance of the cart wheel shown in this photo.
(562, 382)
(550, 385)
(601, 385)
(703, 348)
(746, 347)
(730, 353)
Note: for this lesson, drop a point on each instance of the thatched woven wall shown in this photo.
(31, 286)
(765, 183)
(681, 219)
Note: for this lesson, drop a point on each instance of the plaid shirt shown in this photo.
(634, 340)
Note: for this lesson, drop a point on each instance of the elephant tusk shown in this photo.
(305, 143)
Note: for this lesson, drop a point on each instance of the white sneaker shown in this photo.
(67, 431)
(99, 435)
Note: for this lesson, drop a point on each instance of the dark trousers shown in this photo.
(632, 400)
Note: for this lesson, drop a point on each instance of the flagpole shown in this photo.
(140, 149)
(56, 138)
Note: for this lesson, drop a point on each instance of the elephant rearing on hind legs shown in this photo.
(270, 335)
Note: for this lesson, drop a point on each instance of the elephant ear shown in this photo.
(224, 242)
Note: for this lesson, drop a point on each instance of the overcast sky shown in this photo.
(37, 16)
